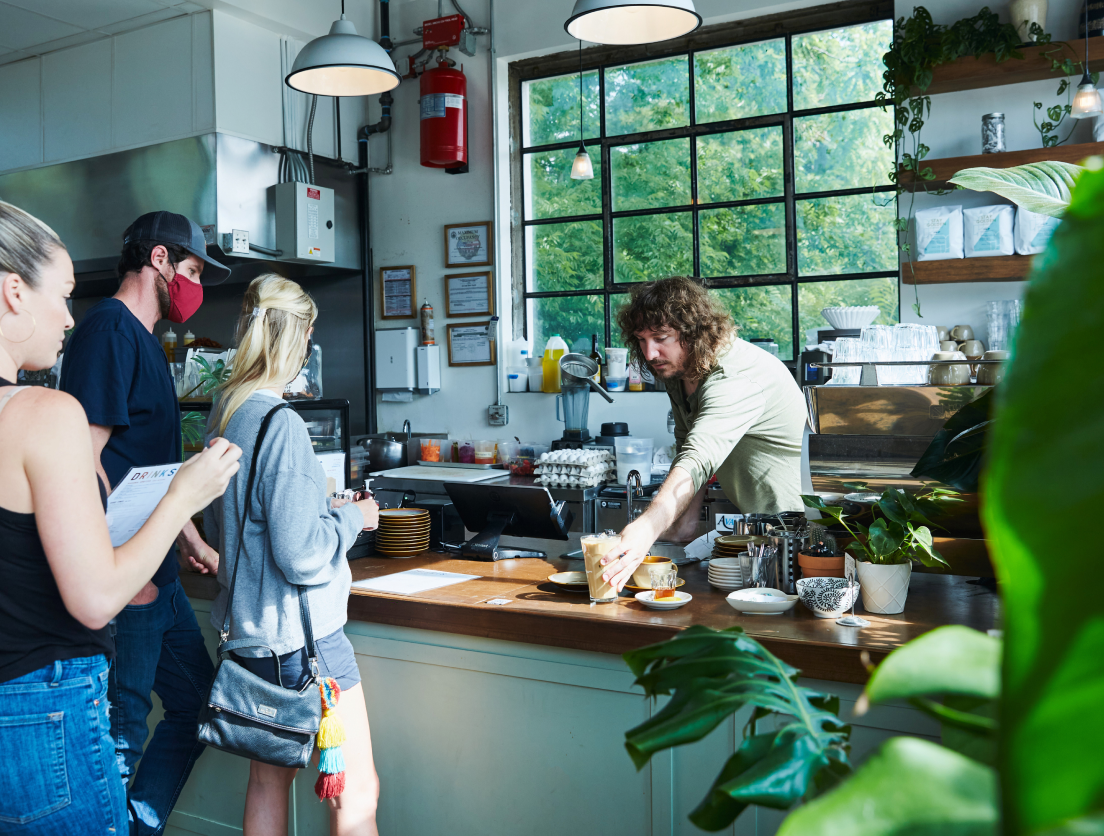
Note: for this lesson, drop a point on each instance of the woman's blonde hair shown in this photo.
(26, 243)
(276, 315)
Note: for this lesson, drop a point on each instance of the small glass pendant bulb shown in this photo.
(1087, 101)
(582, 168)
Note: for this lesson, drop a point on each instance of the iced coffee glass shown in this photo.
(595, 547)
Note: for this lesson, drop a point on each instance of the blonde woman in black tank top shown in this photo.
(63, 581)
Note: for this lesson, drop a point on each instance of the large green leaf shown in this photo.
(711, 674)
(908, 787)
(1038, 187)
(955, 454)
(1046, 451)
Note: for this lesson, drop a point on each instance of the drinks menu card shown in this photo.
(413, 581)
(134, 499)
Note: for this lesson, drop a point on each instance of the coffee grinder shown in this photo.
(576, 380)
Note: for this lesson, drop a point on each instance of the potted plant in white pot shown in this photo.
(884, 551)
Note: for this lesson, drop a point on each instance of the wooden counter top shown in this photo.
(539, 612)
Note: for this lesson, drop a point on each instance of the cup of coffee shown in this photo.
(973, 349)
(990, 374)
(962, 332)
(595, 547)
(949, 374)
(642, 577)
(948, 345)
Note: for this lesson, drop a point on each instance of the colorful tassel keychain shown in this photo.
(331, 734)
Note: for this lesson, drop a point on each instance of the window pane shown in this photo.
(813, 297)
(743, 241)
(551, 193)
(761, 312)
(852, 234)
(617, 302)
(740, 81)
(652, 247)
(842, 150)
(839, 66)
(740, 166)
(564, 256)
(550, 108)
(574, 318)
(650, 175)
(648, 96)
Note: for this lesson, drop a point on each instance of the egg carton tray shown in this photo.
(560, 480)
(599, 469)
(576, 457)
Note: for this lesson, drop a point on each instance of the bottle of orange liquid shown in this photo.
(550, 364)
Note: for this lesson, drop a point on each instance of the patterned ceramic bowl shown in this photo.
(827, 597)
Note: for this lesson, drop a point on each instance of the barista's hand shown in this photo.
(636, 539)
(370, 510)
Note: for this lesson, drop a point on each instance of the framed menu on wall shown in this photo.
(471, 344)
(469, 294)
(469, 245)
(397, 292)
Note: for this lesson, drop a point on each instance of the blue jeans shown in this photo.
(159, 649)
(59, 774)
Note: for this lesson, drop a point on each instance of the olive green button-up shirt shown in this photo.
(744, 423)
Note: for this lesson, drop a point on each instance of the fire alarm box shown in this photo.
(442, 31)
(305, 222)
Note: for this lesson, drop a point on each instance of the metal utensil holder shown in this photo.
(787, 544)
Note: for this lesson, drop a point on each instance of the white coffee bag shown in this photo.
(1033, 231)
(988, 230)
(938, 233)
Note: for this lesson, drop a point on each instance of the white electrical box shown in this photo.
(427, 362)
(305, 222)
(395, 371)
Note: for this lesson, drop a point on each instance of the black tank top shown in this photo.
(35, 627)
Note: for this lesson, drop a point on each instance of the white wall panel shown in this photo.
(76, 85)
(247, 80)
(152, 77)
(21, 113)
(203, 74)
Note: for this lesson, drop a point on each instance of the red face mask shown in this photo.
(185, 297)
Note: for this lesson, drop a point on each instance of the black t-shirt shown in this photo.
(119, 373)
(36, 626)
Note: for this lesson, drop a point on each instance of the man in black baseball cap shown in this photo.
(118, 371)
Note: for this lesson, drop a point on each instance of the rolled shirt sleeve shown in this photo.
(727, 408)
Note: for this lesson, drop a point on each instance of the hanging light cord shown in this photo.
(581, 85)
(1087, 39)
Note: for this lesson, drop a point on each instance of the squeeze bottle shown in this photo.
(550, 364)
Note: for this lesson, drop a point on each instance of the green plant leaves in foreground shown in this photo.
(908, 786)
(1045, 451)
(710, 675)
(1038, 187)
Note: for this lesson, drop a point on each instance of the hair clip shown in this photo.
(259, 311)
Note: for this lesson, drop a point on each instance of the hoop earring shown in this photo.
(34, 325)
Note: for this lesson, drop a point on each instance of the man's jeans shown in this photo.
(158, 648)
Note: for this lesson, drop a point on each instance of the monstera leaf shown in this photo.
(712, 674)
(1038, 187)
(955, 454)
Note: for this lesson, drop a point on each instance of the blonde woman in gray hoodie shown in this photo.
(292, 538)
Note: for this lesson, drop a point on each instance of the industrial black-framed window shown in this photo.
(772, 187)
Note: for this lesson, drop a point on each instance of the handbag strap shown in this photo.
(304, 610)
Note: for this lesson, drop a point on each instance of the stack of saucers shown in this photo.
(733, 545)
(402, 532)
(725, 573)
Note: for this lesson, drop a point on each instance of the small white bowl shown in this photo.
(827, 597)
(764, 601)
(681, 599)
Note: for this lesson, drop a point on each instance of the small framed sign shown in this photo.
(469, 245)
(469, 294)
(471, 344)
(398, 292)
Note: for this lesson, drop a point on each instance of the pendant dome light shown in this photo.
(1086, 102)
(621, 22)
(582, 168)
(343, 63)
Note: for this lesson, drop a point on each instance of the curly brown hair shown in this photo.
(682, 304)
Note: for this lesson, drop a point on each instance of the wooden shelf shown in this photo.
(1001, 268)
(948, 167)
(974, 73)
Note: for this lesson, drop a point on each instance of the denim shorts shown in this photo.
(60, 775)
(335, 658)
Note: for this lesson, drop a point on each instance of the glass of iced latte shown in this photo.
(595, 547)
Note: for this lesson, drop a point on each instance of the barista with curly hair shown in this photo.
(738, 412)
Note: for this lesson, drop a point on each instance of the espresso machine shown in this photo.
(577, 372)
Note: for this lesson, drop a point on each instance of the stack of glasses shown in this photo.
(1003, 317)
(887, 343)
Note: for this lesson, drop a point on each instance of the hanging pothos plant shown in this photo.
(919, 46)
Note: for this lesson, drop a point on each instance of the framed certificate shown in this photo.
(398, 294)
(469, 294)
(471, 344)
(469, 245)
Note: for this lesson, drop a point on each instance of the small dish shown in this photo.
(827, 597)
(574, 581)
(763, 601)
(681, 598)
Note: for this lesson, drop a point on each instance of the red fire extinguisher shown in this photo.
(444, 117)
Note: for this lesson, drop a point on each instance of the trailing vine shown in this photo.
(919, 46)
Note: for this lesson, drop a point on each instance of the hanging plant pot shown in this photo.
(884, 588)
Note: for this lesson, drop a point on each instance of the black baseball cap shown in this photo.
(171, 228)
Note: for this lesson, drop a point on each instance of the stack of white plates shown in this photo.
(724, 573)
